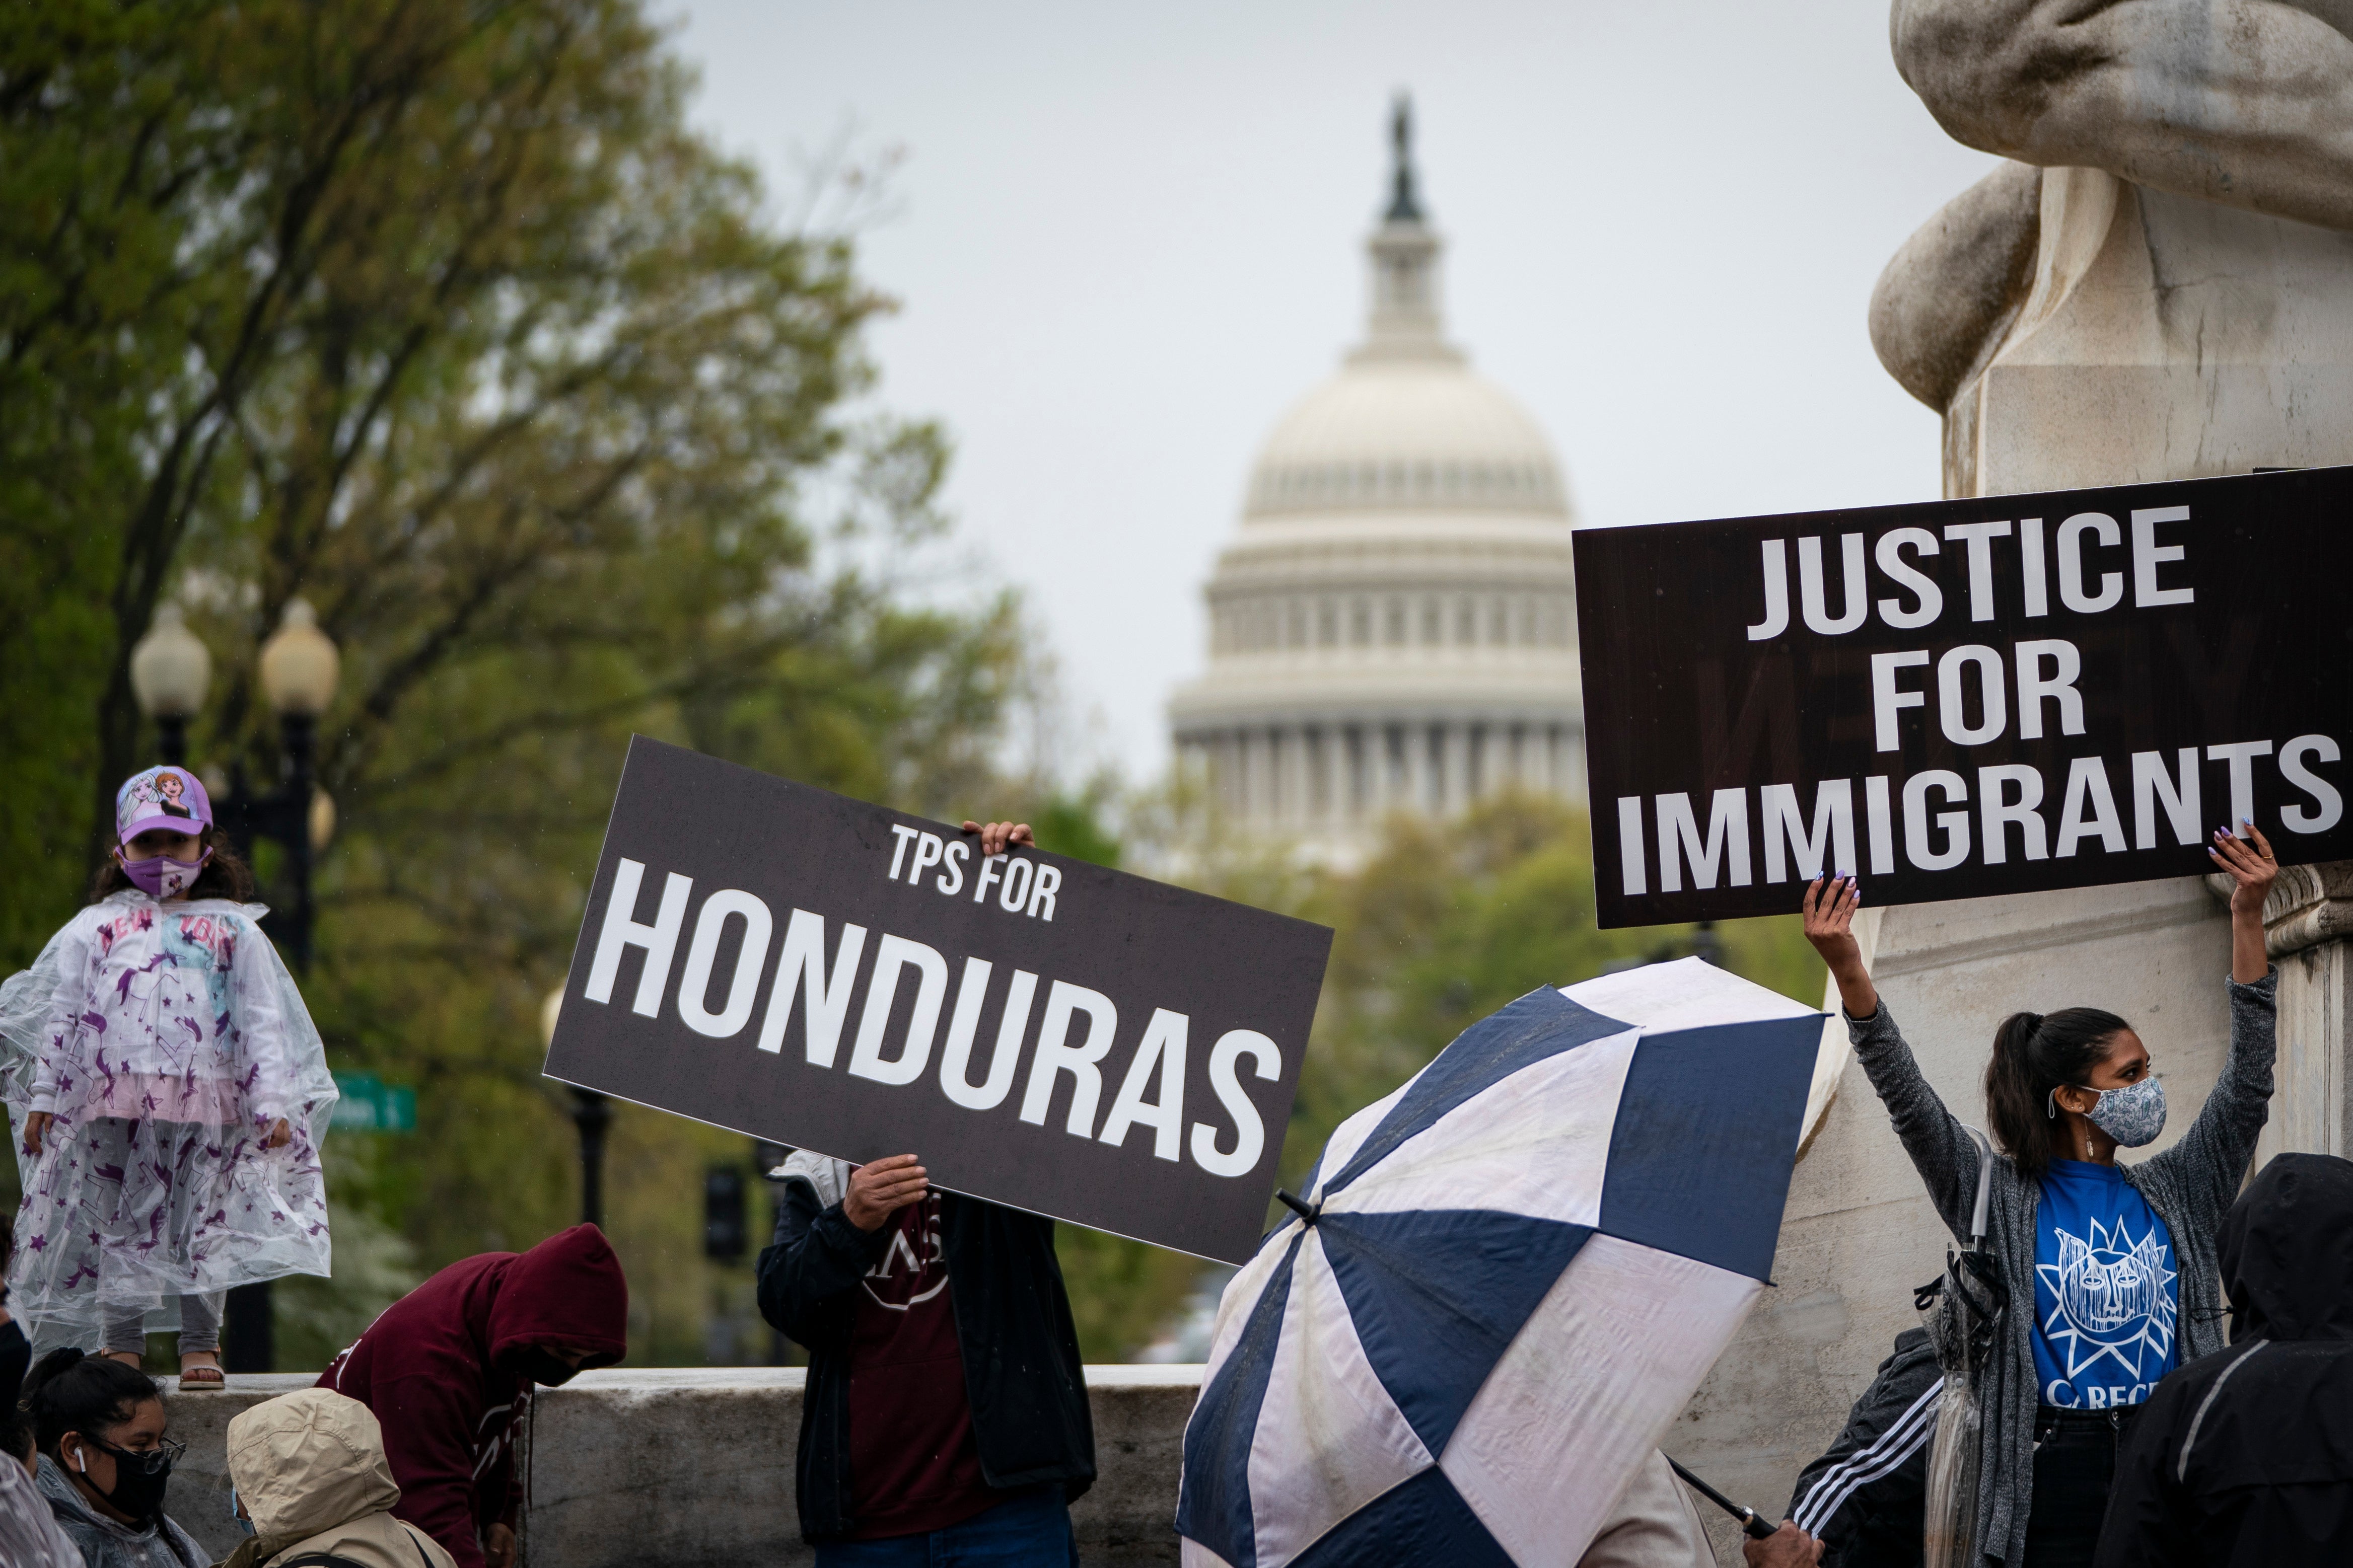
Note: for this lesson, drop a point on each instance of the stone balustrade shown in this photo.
(692, 1468)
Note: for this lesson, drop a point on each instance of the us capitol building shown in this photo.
(1394, 624)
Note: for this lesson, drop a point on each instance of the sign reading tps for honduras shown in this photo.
(1511, 1275)
(836, 976)
(2003, 694)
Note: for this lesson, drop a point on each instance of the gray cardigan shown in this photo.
(2191, 1187)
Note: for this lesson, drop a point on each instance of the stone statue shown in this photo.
(2160, 284)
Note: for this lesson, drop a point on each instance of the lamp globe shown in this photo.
(170, 669)
(300, 666)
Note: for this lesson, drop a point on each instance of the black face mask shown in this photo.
(139, 1477)
(541, 1365)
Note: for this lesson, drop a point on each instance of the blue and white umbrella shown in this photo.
(1512, 1274)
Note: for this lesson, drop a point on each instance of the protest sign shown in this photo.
(836, 976)
(1966, 698)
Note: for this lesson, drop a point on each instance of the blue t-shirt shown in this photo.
(2106, 1293)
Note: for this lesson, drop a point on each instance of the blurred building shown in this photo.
(1394, 624)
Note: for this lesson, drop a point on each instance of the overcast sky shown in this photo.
(1127, 236)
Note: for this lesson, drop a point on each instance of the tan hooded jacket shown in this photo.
(310, 1470)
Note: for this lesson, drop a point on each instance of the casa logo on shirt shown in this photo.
(913, 1268)
(2114, 1312)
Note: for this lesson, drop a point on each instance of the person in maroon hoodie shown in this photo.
(449, 1369)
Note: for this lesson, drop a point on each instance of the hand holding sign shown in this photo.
(998, 837)
(1828, 910)
(881, 1188)
(2253, 868)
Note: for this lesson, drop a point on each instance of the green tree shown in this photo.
(437, 316)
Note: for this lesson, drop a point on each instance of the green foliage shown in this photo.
(441, 317)
(1072, 824)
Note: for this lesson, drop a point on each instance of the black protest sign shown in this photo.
(1966, 698)
(836, 976)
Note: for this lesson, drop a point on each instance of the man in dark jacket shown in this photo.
(1865, 1497)
(2245, 1457)
(449, 1369)
(946, 1412)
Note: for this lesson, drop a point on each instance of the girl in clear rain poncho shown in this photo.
(169, 1093)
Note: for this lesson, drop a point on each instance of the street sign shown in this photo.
(368, 1104)
(836, 976)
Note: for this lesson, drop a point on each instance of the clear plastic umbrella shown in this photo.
(1963, 1308)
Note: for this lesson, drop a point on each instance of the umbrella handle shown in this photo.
(1752, 1523)
(1985, 1188)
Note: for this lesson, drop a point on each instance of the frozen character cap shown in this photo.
(168, 798)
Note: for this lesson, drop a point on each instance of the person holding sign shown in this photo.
(946, 1412)
(2110, 1271)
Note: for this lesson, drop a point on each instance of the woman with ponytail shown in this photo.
(2110, 1270)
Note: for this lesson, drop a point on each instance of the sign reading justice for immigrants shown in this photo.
(1043, 1033)
(1966, 698)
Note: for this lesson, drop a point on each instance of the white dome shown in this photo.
(1421, 433)
(1395, 626)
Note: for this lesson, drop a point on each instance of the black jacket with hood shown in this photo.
(2245, 1457)
(1021, 1369)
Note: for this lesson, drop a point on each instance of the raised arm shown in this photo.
(2244, 102)
(2222, 1141)
(1941, 1150)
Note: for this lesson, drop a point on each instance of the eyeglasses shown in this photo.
(151, 1461)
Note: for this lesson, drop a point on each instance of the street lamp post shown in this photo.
(170, 671)
(592, 1114)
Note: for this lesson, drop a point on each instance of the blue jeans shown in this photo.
(1032, 1531)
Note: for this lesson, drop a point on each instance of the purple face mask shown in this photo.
(163, 876)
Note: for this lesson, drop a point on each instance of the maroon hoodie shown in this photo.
(437, 1369)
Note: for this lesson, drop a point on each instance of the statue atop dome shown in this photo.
(1403, 206)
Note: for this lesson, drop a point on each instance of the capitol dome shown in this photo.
(1406, 434)
(1394, 625)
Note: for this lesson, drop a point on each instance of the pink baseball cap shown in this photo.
(169, 798)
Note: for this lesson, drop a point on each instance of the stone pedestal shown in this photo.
(2306, 924)
(2160, 338)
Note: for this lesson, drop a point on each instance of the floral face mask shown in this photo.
(2133, 1115)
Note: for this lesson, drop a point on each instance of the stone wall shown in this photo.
(693, 1468)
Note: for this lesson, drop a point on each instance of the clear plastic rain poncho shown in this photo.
(167, 1038)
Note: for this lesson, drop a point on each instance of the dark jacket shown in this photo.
(1865, 1498)
(1021, 1373)
(441, 1368)
(2245, 1457)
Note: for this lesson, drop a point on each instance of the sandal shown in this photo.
(131, 1358)
(203, 1375)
